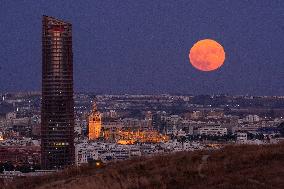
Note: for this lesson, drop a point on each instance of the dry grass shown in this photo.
(234, 167)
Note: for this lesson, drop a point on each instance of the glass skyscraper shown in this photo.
(57, 111)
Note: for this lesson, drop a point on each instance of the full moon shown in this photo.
(207, 55)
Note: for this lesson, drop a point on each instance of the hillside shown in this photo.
(234, 167)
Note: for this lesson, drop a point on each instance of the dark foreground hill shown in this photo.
(233, 167)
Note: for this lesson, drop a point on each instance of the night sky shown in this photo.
(142, 46)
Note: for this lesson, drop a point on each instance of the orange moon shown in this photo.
(207, 55)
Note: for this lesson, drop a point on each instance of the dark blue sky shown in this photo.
(142, 46)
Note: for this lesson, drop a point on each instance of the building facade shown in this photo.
(212, 131)
(95, 124)
(57, 113)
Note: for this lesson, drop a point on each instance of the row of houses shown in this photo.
(87, 151)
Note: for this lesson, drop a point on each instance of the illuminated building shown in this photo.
(95, 123)
(1, 136)
(130, 137)
(57, 111)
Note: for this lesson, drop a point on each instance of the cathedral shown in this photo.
(95, 123)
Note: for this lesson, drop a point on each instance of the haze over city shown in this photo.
(142, 47)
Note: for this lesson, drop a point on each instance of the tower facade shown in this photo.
(95, 123)
(57, 110)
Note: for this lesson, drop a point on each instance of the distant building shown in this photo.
(57, 110)
(149, 119)
(11, 115)
(215, 114)
(212, 130)
(242, 137)
(95, 123)
(78, 129)
(133, 123)
(20, 155)
(196, 114)
(252, 118)
(1, 136)
(187, 126)
(113, 114)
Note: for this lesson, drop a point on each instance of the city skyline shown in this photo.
(142, 94)
(143, 47)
